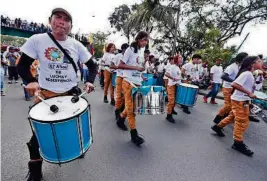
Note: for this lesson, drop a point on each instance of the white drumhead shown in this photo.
(67, 109)
(189, 85)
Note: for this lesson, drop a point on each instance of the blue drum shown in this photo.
(186, 94)
(150, 80)
(65, 135)
(114, 77)
(149, 100)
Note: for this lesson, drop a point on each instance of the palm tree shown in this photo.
(149, 13)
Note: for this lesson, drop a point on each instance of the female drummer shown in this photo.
(108, 58)
(175, 76)
(132, 64)
(243, 87)
(119, 97)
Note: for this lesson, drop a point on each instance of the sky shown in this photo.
(83, 21)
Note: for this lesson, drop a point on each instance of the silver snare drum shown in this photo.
(149, 100)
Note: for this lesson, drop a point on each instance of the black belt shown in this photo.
(106, 65)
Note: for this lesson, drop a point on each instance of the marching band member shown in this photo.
(53, 82)
(119, 103)
(132, 64)
(175, 76)
(189, 71)
(228, 77)
(243, 87)
(109, 57)
(167, 65)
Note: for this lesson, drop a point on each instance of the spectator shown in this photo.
(12, 56)
(2, 72)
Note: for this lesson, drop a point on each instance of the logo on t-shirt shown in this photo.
(53, 54)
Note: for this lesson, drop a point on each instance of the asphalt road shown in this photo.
(187, 150)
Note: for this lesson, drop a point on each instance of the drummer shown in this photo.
(243, 86)
(189, 72)
(133, 65)
(108, 58)
(175, 76)
(228, 77)
(119, 103)
(167, 64)
(57, 74)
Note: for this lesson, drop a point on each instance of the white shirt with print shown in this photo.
(191, 69)
(247, 81)
(108, 59)
(232, 71)
(132, 59)
(175, 72)
(117, 61)
(217, 74)
(56, 71)
(166, 67)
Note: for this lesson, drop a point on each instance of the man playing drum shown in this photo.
(57, 71)
(175, 76)
(189, 70)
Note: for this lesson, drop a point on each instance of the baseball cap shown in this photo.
(56, 10)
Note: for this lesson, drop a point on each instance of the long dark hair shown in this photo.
(240, 57)
(141, 35)
(247, 64)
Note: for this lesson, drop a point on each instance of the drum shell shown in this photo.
(64, 140)
(151, 103)
(150, 80)
(186, 96)
(114, 77)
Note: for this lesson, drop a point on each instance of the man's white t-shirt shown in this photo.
(160, 68)
(175, 72)
(56, 71)
(108, 59)
(217, 73)
(117, 61)
(232, 71)
(247, 81)
(132, 59)
(191, 69)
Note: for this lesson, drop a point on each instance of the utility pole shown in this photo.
(237, 50)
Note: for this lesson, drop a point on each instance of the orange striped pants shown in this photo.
(240, 113)
(107, 84)
(171, 98)
(119, 95)
(227, 92)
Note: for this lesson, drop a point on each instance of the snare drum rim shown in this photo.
(61, 120)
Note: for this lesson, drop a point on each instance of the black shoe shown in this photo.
(218, 130)
(121, 125)
(117, 114)
(35, 171)
(186, 110)
(166, 99)
(217, 119)
(242, 148)
(112, 102)
(105, 99)
(254, 119)
(136, 139)
(174, 112)
(170, 118)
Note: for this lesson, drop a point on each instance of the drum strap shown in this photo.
(64, 52)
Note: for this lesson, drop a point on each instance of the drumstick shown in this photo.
(53, 108)
(76, 98)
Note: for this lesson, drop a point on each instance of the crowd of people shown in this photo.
(35, 27)
(130, 65)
